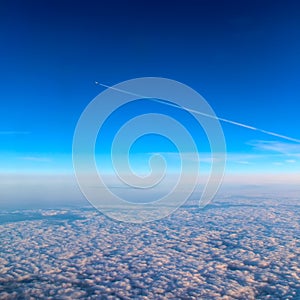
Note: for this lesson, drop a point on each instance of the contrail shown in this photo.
(207, 115)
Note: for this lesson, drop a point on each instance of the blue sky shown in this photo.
(241, 56)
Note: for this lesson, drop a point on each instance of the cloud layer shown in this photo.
(240, 247)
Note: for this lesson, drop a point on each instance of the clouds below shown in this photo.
(242, 247)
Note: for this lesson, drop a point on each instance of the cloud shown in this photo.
(254, 161)
(206, 157)
(35, 158)
(290, 161)
(238, 248)
(243, 162)
(291, 149)
(14, 132)
(231, 157)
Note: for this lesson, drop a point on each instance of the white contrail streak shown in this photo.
(207, 115)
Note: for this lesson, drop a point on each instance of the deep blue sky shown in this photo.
(242, 56)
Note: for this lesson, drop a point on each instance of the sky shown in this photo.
(241, 56)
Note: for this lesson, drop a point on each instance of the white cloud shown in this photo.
(276, 163)
(266, 161)
(13, 132)
(290, 161)
(243, 162)
(290, 149)
(36, 158)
